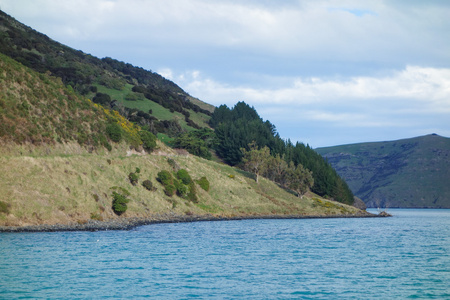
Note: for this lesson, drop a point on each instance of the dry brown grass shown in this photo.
(66, 183)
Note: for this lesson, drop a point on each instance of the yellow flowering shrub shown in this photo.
(131, 130)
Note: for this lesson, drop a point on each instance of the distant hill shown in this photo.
(410, 173)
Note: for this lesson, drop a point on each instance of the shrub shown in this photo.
(96, 216)
(4, 207)
(164, 177)
(133, 177)
(138, 170)
(103, 99)
(173, 164)
(107, 146)
(96, 197)
(182, 190)
(170, 190)
(119, 203)
(114, 132)
(148, 140)
(203, 183)
(148, 185)
(184, 176)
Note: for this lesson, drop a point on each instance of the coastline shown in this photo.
(131, 223)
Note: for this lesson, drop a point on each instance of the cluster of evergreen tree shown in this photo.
(241, 126)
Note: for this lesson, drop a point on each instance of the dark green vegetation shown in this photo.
(239, 128)
(180, 183)
(119, 204)
(404, 173)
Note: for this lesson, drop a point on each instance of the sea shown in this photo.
(406, 256)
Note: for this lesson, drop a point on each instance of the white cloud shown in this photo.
(317, 30)
(414, 97)
(429, 86)
(325, 64)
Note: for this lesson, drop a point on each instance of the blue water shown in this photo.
(407, 256)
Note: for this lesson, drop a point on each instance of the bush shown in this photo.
(203, 183)
(4, 207)
(103, 99)
(182, 189)
(184, 176)
(164, 177)
(170, 190)
(173, 164)
(133, 177)
(114, 132)
(96, 216)
(148, 185)
(148, 140)
(119, 203)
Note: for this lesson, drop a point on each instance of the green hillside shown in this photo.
(78, 143)
(55, 166)
(404, 173)
(142, 96)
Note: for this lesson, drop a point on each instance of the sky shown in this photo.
(324, 72)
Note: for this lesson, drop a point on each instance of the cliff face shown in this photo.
(404, 173)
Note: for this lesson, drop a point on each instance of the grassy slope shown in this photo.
(404, 173)
(81, 70)
(44, 181)
(65, 183)
(37, 108)
(159, 111)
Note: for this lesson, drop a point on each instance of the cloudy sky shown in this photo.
(324, 72)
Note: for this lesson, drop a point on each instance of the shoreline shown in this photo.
(131, 223)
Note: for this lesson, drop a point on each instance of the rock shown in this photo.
(358, 203)
(384, 214)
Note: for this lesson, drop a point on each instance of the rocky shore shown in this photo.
(131, 223)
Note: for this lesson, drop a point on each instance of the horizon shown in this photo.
(323, 74)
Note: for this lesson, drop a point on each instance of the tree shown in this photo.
(276, 168)
(301, 181)
(196, 142)
(255, 160)
(103, 99)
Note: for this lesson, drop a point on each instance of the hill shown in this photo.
(404, 173)
(142, 96)
(59, 163)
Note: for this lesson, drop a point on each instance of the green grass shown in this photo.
(158, 110)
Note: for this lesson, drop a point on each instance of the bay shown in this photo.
(406, 256)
